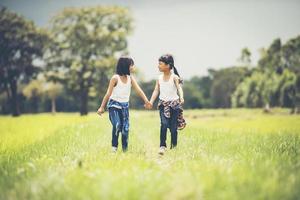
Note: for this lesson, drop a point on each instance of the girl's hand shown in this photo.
(100, 111)
(148, 105)
(181, 100)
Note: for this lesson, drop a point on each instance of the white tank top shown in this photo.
(168, 90)
(121, 91)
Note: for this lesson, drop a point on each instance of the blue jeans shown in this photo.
(170, 123)
(119, 118)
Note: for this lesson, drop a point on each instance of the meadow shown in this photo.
(221, 154)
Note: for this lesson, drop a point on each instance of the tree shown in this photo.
(86, 42)
(52, 90)
(33, 91)
(277, 58)
(54, 78)
(296, 97)
(291, 61)
(197, 91)
(21, 43)
(224, 83)
(271, 58)
(256, 90)
(245, 58)
(291, 55)
(192, 96)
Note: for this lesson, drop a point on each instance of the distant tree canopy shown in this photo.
(275, 81)
(197, 92)
(86, 43)
(21, 42)
(224, 83)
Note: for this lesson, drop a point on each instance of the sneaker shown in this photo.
(114, 149)
(162, 150)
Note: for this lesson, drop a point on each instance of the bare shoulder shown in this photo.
(160, 78)
(175, 77)
(157, 85)
(132, 78)
(114, 79)
(115, 76)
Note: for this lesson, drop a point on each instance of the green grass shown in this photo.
(222, 154)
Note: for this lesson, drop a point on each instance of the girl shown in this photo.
(168, 86)
(117, 96)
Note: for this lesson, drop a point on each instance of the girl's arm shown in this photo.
(139, 90)
(155, 93)
(111, 85)
(179, 89)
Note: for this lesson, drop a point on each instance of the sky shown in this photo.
(199, 34)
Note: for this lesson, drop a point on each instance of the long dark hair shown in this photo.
(169, 60)
(123, 65)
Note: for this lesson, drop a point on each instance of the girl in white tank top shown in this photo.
(117, 100)
(121, 91)
(170, 101)
(167, 89)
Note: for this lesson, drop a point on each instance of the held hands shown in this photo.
(148, 105)
(100, 111)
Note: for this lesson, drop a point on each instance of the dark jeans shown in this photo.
(170, 123)
(117, 120)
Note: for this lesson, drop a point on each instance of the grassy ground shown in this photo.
(222, 154)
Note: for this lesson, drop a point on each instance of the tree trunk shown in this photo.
(295, 109)
(35, 104)
(7, 91)
(292, 110)
(83, 100)
(267, 108)
(6, 107)
(14, 99)
(296, 104)
(53, 106)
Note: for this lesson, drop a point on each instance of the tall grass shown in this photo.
(222, 154)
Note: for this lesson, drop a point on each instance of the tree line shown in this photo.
(273, 82)
(66, 67)
(67, 63)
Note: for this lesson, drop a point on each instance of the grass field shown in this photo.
(222, 154)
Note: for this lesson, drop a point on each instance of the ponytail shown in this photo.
(176, 72)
